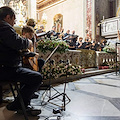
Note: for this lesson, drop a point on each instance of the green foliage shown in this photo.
(45, 45)
(109, 49)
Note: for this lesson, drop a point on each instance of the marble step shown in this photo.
(91, 69)
(71, 78)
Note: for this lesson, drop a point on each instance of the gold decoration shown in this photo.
(44, 20)
(118, 12)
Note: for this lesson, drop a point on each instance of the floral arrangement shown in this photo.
(105, 65)
(51, 70)
(47, 44)
(109, 49)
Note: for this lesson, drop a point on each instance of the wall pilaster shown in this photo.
(31, 9)
(84, 18)
(93, 19)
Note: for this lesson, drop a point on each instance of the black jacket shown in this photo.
(10, 45)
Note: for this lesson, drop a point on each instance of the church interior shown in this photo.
(80, 43)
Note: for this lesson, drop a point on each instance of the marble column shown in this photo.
(90, 18)
(84, 17)
(1, 3)
(32, 9)
(93, 19)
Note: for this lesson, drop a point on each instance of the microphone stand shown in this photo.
(64, 95)
(65, 99)
(116, 56)
(49, 86)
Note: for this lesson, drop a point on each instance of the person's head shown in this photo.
(54, 28)
(73, 32)
(103, 41)
(8, 15)
(31, 22)
(75, 38)
(68, 32)
(28, 32)
(80, 39)
(87, 39)
(41, 27)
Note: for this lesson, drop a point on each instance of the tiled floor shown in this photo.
(92, 98)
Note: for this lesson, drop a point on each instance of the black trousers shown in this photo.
(41, 62)
(29, 79)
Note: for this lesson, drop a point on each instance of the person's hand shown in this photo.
(36, 44)
(36, 55)
(86, 46)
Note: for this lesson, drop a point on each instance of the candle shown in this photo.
(103, 17)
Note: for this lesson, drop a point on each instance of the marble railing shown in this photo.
(102, 57)
(84, 58)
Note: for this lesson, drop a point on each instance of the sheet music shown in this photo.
(41, 34)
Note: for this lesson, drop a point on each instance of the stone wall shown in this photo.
(72, 11)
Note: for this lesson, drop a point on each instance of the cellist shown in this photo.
(10, 62)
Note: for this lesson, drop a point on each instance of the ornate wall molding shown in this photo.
(44, 4)
(109, 27)
(21, 8)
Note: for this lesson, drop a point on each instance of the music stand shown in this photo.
(57, 94)
(49, 86)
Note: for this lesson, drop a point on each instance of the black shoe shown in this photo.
(30, 111)
(13, 106)
(34, 96)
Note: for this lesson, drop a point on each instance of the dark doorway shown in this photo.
(112, 8)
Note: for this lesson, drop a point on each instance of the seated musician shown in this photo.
(87, 44)
(95, 46)
(52, 33)
(102, 44)
(66, 35)
(41, 29)
(10, 62)
(72, 42)
(28, 32)
(53, 30)
(40, 33)
(79, 43)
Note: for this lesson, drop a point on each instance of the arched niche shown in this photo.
(58, 22)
